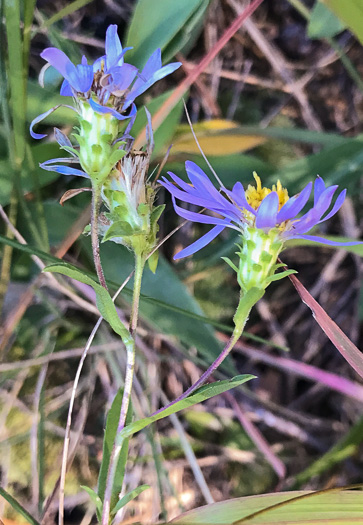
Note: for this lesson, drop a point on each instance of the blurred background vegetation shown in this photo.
(284, 97)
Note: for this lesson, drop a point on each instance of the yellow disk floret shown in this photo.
(255, 195)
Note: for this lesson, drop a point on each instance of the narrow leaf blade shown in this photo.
(345, 346)
(19, 508)
(200, 395)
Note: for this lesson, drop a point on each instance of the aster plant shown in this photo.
(264, 219)
(103, 96)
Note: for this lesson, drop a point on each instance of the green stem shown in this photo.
(130, 365)
(246, 303)
(96, 203)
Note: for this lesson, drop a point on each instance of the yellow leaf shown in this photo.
(216, 137)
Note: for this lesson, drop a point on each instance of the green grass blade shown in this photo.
(19, 508)
(202, 394)
(66, 11)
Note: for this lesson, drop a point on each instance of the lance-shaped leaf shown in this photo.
(103, 299)
(345, 346)
(202, 394)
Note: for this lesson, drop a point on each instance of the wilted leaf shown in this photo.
(69, 194)
(345, 346)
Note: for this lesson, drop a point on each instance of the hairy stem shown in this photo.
(245, 305)
(96, 203)
(130, 365)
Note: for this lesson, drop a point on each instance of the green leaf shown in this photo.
(129, 497)
(66, 11)
(335, 164)
(103, 299)
(323, 23)
(346, 447)
(118, 229)
(108, 441)
(202, 394)
(96, 500)
(155, 24)
(230, 263)
(349, 12)
(19, 508)
(185, 39)
(280, 275)
(338, 506)
(153, 261)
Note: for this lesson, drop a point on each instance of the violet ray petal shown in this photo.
(120, 58)
(152, 65)
(121, 77)
(203, 184)
(314, 214)
(64, 170)
(295, 204)
(127, 131)
(85, 77)
(319, 187)
(59, 61)
(238, 196)
(187, 196)
(41, 117)
(328, 242)
(184, 185)
(338, 204)
(62, 139)
(113, 46)
(104, 109)
(200, 243)
(198, 217)
(267, 211)
(158, 75)
(66, 90)
(78, 79)
(233, 214)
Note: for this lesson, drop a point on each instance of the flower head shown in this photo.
(131, 217)
(265, 218)
(104, 97)
(110, 85)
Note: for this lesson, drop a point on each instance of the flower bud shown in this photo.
(98, 153)
(258, 258)
(131, 219)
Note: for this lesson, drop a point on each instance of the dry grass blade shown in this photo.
(345, 346)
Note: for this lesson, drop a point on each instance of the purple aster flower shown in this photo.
(77, 79)
(256, 208)
(109, 77)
